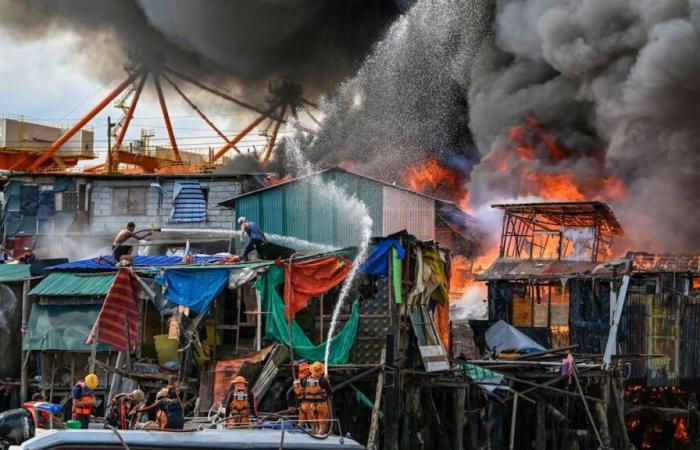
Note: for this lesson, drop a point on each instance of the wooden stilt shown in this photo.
(616, 389)
(585, 405)
(460, 400)
(603, 424)
(540, 431)
(372, 441)
(693, 423)
(513, 421)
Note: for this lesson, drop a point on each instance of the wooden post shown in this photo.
(693, 423)
(585, 405)
(372, 442)
(460, 400)
(93, 350)
(116, 378)
(513, 421)
(603, 424)
(258, 320)
(618, 400)
(391, 397)
(540, 431)
(24, 376)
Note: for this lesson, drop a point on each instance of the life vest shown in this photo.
(239, 401)
(313, 391)
(299, 388)
(86, 400)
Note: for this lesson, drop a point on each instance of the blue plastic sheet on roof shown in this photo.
(189, 205)
(108, 263)
(378, 261)
(193, 288)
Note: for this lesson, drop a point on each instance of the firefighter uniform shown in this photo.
(317, 390)
(299, 385)
(122, 410)
(84, 399)
(241, 403)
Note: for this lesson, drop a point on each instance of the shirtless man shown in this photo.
(119, 249)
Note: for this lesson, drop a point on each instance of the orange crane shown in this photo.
(286, 100)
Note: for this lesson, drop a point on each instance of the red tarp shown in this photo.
(308, 279)
(120, 303)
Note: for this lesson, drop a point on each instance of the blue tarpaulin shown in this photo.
(378, 261)
(108, 263)
(189, 205)
(193, 288)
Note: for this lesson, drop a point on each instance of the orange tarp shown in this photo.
(442, 323)
(307, 279)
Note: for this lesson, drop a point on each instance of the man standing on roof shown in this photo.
(255, 234)
(119, 249)
(28, 256)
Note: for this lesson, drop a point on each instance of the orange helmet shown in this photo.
(317, 368)
(240, 379)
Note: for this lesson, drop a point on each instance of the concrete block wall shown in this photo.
(102, 218)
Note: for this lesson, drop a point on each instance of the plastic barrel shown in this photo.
(166, 348)
(73, 424)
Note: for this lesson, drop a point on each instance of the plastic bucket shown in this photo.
(73, 424)
(165, 348)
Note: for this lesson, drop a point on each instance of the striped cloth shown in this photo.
(189, 205)
(120, 303)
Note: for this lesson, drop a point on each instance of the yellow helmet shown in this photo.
(92, 381)
(317, 368)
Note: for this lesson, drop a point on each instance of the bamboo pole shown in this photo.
(513, 420)
(585, 405)
(372, 441)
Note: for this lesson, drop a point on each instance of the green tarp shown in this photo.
(61, 327)
(277, 327)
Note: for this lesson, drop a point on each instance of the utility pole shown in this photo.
(110, 125)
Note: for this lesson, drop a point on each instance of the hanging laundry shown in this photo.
(194, 288)
(378, 262)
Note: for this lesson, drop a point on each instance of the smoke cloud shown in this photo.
(241, 44)
(611, 82)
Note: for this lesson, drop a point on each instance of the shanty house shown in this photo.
(77, 214)
(309, 208)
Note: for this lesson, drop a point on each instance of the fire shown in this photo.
(433, 178)
(539, 166)
(461, 276)
(681, 432)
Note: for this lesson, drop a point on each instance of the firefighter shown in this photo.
(122, 410)
(240, 402)
(169, 414)
(84, 399)
(299, 384)
(317, 389)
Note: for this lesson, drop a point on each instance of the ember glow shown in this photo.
(431, 177)
(533, 164)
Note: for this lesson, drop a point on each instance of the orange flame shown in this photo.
(433, 178)
(530, 148)
(461, 276)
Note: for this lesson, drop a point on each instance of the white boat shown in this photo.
(206, 439)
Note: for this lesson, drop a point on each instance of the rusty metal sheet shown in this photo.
(524, 269)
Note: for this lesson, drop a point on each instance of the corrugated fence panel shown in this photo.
(404, 210)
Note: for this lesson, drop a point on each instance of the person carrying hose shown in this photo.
(122, 410)
(240, 402)
(84, 399)
(255, 234)
(317, 390)
(299, 385)
(119, 249)
(169, 414)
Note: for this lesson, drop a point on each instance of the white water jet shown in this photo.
(287, 241)
(356, 210)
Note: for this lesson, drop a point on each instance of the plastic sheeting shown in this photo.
(278, 329)
(503, 337)
(28, 199)
(61, 327)
(189, 205)
(192, 287)
(307, 279)
(378, 262)
(47, 205)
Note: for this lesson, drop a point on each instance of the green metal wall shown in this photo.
(300, 209)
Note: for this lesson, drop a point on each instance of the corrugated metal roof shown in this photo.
(333, 170)
(107, 262)
(74, 284)
(523, 269)
(657, 263)
(14, 272)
